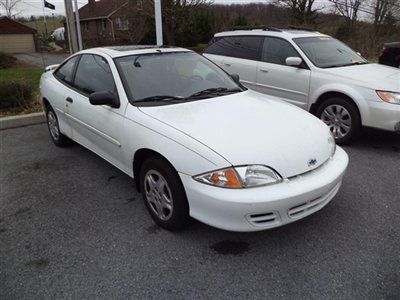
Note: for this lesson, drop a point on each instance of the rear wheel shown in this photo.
(342, 118)
(163, 194)
(57, 137)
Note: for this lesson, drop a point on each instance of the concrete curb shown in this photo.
(23, 120)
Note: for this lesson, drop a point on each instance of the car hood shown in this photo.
(250, 128)
(375, 76)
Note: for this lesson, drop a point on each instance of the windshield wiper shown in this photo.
(166, 98)
(211, 91)
(346, 65)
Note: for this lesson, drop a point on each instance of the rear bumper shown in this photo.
(266, 207)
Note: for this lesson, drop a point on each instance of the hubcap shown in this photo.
(53, 126)
(158, 194)
(338, 120)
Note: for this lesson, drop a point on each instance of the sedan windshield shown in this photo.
(173, 77)
(327, 52)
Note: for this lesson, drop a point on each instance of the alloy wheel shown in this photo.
(53, 125)
(338, 120)
(158, 195)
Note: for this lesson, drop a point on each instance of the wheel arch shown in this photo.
(46, 104)
(327, 95)
(139, 157)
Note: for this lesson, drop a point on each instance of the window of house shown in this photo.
(86, 25)
(103, 24)
(93, 74)
(66, 71)
(276, 51)
(122, 24)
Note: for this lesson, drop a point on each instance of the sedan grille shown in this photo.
(264, 219)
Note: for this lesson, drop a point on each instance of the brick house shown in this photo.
(103, 23)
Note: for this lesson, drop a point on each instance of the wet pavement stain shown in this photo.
(38, 263)
(230, 247)
(22, 210)
(111, 178)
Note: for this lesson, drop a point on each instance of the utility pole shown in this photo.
(157, 13)
(44, 20)
(78, 25)
(71, 27)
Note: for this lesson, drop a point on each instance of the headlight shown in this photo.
(389, 97)
(332, 143)
(240, 177)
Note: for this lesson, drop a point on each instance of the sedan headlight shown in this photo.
(240, 177)
(389, 97)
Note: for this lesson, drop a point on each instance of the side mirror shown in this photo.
(104, 98)
(293, 61)
(235, 78)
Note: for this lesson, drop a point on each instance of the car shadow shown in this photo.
(376, 140)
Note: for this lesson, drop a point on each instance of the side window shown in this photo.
(221, 46)
(276, 50)
(93, 75)
(66, 71)
(247, 47)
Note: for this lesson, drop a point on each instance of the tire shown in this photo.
(163, 194)
(342, 118)
(57, 137)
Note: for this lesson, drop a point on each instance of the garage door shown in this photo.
(17, 43)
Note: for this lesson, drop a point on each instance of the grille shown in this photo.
(310, 206)
(263, 219)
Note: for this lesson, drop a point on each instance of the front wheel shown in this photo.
(163, 194)
(342, 118)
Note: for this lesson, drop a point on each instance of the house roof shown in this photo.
(100, 9)
(8, 25)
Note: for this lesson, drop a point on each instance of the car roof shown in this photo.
(118, 51)
(268, 31)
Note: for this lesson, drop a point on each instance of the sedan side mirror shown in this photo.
(293, 61)
(104, 98)
(235, 78)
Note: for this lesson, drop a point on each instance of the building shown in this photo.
(103, 23)
(16, 37)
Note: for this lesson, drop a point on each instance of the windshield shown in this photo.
(173, 77)
(327, 52)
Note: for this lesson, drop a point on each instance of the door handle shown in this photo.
(69, 100)
(264, 70)
(226, 64)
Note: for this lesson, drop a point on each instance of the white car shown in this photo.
(315, 72)
(196, 142)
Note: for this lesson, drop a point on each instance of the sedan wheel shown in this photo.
(163, 193)
(338, 120)
(158, 195)
(57, 137)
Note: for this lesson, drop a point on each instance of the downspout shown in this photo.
(112, 28)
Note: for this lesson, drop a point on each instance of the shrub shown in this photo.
(6, 60)
(16, 94)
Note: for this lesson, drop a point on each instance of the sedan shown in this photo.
(197, 143)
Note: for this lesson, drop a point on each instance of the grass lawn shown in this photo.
(29, 75)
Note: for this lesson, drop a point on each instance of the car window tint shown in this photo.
(93, 74)
(276, 51)
(247, 47)
(221, 46)
(66, 71)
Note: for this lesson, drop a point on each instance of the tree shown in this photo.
(9, 6)
(349, 9)
(383, 15)
(302, 11)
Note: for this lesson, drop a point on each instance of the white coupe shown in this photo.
(194, 139)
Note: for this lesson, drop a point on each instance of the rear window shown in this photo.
(246, 47)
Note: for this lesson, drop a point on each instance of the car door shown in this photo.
(56, 90)
(274, 77)
(97, 127)
(244, 58)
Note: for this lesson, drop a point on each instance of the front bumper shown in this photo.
(383, 115)
(266, 207)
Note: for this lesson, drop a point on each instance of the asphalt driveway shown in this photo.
(73, 226)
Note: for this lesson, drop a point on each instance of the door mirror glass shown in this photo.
(235, 78)
(104, 98)
(293, 61)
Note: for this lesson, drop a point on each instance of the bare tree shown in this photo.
(382, 11)
(349, 9)
(303, 11)
(9, 6)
